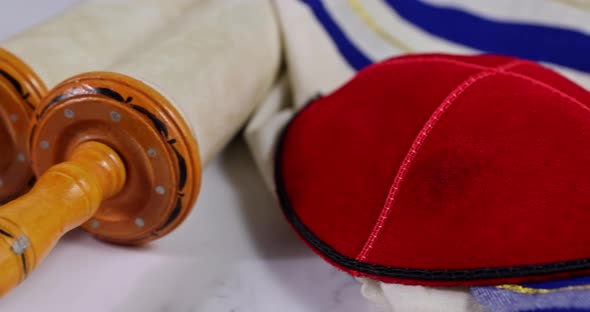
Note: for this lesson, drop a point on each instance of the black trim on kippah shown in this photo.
(406, 273)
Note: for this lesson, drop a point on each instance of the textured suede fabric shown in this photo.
(444, 170)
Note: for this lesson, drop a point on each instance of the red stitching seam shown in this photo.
(394, 190)
(550, 88)
(418, 141)
(402, 61)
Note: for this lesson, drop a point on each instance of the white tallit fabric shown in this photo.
(318, 62)
(91, 36)
(402, 298)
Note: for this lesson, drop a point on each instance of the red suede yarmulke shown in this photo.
(444, 170)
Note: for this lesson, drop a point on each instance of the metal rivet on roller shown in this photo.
(139, 222)
(44, 144)
(69, 113)
(20, 157)
(152, 152)
(115, 116)
(21, 244)
(94, 224)
(13, 117)
(160, 190)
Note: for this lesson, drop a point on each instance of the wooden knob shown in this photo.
(64, 197)
(21, 91)
(112, 155)
(148, 133)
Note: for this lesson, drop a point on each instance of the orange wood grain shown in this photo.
(64, 197)
(21, 90)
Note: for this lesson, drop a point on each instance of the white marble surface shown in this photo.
(234, 253)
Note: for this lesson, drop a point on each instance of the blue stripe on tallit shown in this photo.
(542, 43)
(556, 297)
(578, 281)
(557, 310)
(353, 55)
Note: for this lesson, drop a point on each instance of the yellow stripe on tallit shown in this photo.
(535, 291)
(364, 15)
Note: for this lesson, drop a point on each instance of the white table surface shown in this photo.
(234, 253)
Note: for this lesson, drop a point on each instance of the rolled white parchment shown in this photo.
(91, 36)
(215, 66)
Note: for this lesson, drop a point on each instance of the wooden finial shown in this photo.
(21, 91)
(153, 139)
(111, 155)
(63, 198)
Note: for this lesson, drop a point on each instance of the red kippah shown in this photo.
(444, 170)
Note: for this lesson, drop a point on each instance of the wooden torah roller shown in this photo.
(117, 156)
(88, 37)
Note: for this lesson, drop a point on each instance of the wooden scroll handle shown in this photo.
(65, 196)
(21, 90)
(135, 186)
